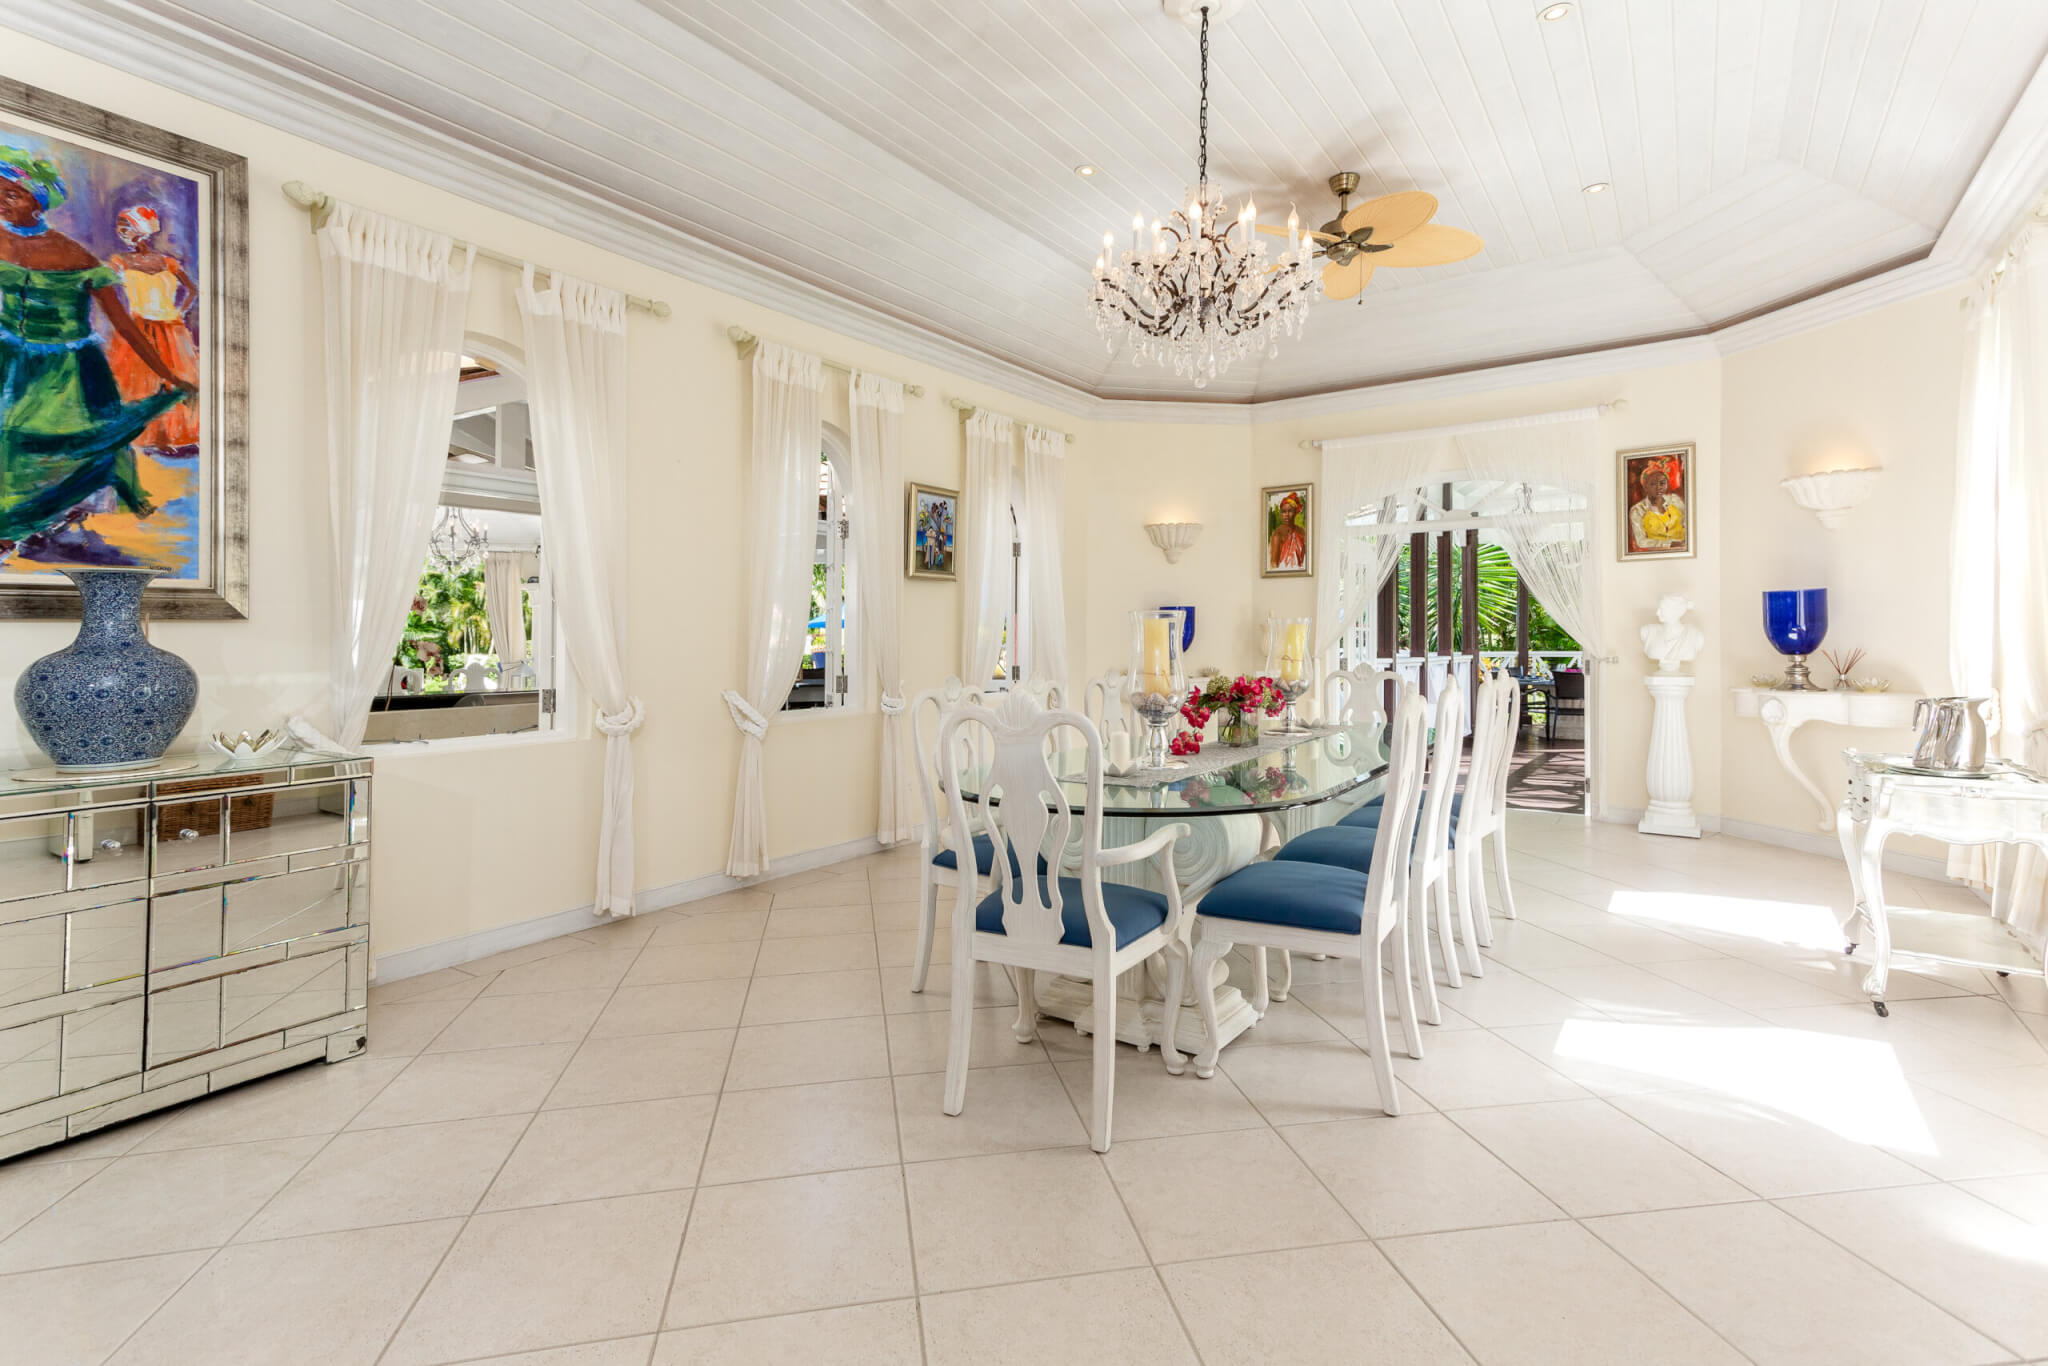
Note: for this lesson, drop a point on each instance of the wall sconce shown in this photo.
(1173, 537)
(1831, 494)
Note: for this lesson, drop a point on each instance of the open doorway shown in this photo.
(1456, 606)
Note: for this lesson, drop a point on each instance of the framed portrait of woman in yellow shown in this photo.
(1657, 496)
(124, 317)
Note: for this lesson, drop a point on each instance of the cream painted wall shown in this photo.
(1149, 472)
(1880, 389)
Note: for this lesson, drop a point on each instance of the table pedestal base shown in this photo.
(1217, 847)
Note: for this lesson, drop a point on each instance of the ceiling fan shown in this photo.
(1392, 230)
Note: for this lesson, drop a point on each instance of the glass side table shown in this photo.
(1886, 797)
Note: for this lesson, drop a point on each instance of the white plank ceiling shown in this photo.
(917, 156)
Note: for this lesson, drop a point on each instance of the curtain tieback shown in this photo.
(301, 730)
(744, 715)
(624, 721)
(892, 703)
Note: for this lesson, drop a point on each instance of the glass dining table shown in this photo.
(1237, 803)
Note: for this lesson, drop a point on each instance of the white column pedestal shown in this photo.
(1670, 764)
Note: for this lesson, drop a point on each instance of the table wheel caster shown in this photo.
(1884, 1011)
(1850, 950)
(2003, 973)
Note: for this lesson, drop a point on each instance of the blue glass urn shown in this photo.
(1187, 626)
(109, 699)
(1796, 622)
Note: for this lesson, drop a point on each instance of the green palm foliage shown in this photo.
(1496, 608)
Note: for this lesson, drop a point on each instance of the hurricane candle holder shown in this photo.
(1159, 681)
(1796, 622)
(1287, 664)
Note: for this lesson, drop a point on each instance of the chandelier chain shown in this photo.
(1202, 168)
(1200, 292)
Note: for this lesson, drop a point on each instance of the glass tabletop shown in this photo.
(1314, 770)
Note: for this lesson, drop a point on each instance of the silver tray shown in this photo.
(1992, 769)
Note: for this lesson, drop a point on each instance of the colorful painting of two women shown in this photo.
(99, 359)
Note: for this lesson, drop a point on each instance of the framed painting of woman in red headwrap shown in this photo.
(123, 359)
(1286, 553)
(1657, 504)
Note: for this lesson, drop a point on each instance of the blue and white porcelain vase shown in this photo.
(109, 699)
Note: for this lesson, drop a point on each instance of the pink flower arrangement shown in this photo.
(1236, 696)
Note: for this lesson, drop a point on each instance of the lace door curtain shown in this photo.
(1546, 538)
(984, 541)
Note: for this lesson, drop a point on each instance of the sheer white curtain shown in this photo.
(782, 523)
(1041, 517)
(984, 544)
(505, 605)
(875, 514)
(576, 395)
(1998, 585)
(393, 298)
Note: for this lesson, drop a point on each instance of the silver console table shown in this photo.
(164, 937)
(1884, 799)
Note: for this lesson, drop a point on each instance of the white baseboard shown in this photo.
(1805, 841)
(1827, 846)
(467, 948)
(1633, 815)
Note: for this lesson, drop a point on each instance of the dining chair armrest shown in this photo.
(1145, 848)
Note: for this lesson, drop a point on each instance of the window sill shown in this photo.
(811, 715)
(386, 750)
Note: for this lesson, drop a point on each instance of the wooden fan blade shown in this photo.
(1282, 232)
(1432, 244)
(1343, 282)
(1392, 216)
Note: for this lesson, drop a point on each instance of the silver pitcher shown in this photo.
(1954, 733)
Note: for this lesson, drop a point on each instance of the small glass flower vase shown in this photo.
(1239, 730)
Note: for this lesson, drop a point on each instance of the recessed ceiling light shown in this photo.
(1084, 169)
(1598, 187)
(1553, 13)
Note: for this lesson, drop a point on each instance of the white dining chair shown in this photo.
(1353, 841)
(1484, 814)
(1105, 700)
(941, 863)
(1076, 926)
(1357, 697)
(1318, 908)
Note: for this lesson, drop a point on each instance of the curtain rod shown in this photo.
(746, 341)
(966, 409)
(319, 203)
(1611, 406)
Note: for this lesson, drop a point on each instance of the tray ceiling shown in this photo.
(917, 157)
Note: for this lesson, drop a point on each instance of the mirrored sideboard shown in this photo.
(164, 937)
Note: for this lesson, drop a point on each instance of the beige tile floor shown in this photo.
(1663, 1127)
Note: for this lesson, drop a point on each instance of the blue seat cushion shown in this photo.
(984, 858)
(1368, 816)
(1308, 896)
(1133, 911)
(1339, 846)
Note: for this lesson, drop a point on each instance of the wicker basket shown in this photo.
(246, 813)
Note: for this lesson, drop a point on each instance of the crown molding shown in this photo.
(256, 88)
(153, 48)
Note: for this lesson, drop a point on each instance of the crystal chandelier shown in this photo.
(457, 545)
(1198, 292)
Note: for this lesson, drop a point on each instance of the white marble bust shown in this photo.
(1668, 640)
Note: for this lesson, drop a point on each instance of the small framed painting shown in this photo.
(1656, 500)
(929, 527)
(124, 280)
(1286, 552)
